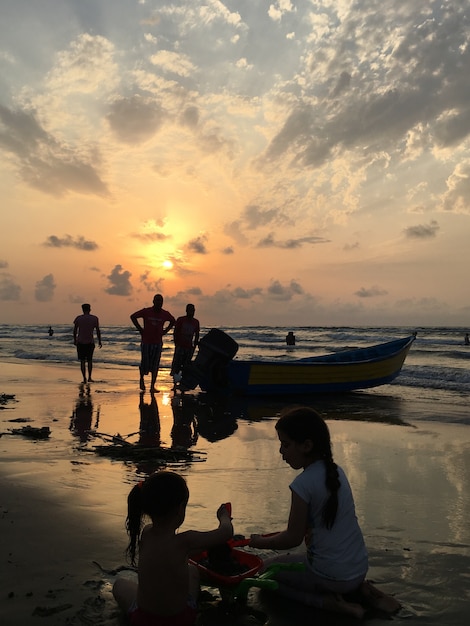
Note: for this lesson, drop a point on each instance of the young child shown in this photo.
(323, 513)
(168, 586)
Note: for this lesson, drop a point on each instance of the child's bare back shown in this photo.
(167, 584)
(163, 572)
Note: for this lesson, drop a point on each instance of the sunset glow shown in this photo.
(275, 163)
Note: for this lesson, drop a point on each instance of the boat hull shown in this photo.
(339, 372)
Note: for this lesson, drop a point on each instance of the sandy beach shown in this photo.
(62, 506)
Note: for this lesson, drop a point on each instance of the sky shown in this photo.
(286, 163)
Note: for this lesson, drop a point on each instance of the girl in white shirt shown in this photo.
(323, 514)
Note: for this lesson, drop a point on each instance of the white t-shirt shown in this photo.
(338, 553)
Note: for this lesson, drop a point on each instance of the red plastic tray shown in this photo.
(253, 561)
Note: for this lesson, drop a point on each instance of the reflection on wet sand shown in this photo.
(149, 428)
(81, 422)
(364, 407)
(184, 432)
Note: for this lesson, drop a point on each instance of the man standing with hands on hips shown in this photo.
(154, 318)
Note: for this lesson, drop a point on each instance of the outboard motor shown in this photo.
(207, 370)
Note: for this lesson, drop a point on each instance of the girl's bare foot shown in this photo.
(335, 602)
(379, 600)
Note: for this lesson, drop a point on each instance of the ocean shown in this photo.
(436, 371)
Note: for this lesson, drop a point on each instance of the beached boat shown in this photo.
(215, 369)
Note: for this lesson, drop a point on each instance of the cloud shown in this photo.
(154, 286)
(245, 294)
(79, 243)
(43, 162)
(76, 299)
(371, 292)
(228, 250)
(44, 291)
(150, 231)
(254, 216)
(289, 244)
(422, 231)
(198, 245)
(457, 198)
(119, 282)
(136, 119)
(173, 62)
(277, 291)
(9, 290)
(3, 263)
(351, 246)
(150, 237)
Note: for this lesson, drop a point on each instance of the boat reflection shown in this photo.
(219, 413)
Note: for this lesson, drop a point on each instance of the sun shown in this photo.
(167, 264)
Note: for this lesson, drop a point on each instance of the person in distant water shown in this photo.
(50, 331)
(466, 339)
(155, 318)
(290, 338)
(83, 337)
(186, 338)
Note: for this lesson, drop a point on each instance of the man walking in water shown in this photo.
(83, 331)
(152, 332)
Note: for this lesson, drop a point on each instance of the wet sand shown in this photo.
(62, 506)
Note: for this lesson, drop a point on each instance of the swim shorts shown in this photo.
(151, 353)
(85, 351)
(186, 617)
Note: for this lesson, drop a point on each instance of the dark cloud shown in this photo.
(190, 117)
(289, 244)
(79, 243)
(421, 83)
(254, 216)
(3, 264)
(422, 231)
(245, 294)
(135, 119)
(119, 283)
(9, 290)
(235, 230)
(371, 292)
(154, 286)
(198, 245)
(277, 291)
(43, 162)
(228, 250)
(44, 291)
(342, 84)
(150, 237)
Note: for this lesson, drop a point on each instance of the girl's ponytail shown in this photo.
(332, 483)
(134, 520)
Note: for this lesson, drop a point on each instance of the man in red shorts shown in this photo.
(154, 318)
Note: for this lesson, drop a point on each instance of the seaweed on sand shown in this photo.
(135, 452)
(118, 448)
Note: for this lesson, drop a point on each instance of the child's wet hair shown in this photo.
(159, 496)
(304, 423)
